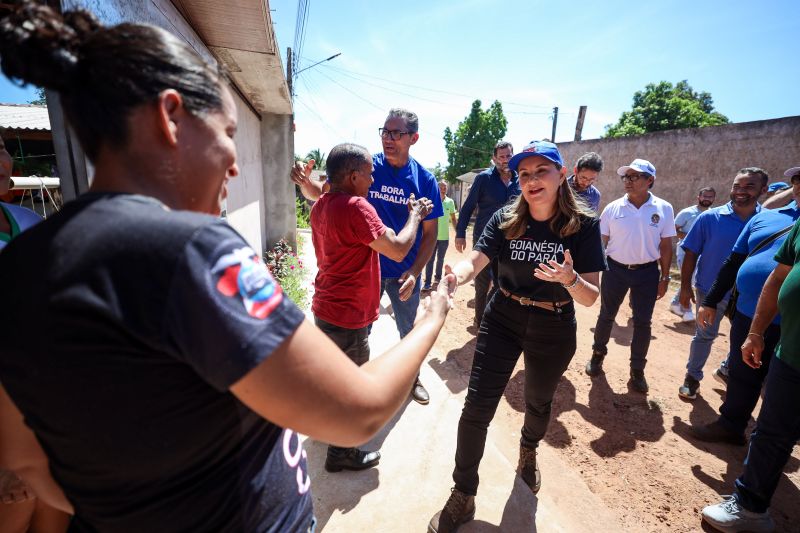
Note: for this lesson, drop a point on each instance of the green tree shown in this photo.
(40, 99)
(664, 106)
(438, 171)
(471, 145)
(318, 156)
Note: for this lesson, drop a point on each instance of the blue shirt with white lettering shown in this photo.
(754, 271)
(389, 195)
(712, 238)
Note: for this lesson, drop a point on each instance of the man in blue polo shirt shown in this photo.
(749, 265)
(586, 170)
(492, 189)
(397, 176)
(707, 245)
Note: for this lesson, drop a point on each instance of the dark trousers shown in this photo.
(353, 342)
(547, 340)
(615, 283)
(483, 280)
(438, 258)
(777, 431)
(744, 383)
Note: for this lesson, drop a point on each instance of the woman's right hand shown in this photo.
(752, 348)
(436, 305)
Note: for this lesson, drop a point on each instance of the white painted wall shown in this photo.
(246, 199)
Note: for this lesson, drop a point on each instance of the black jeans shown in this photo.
(483, 280)
(547, 340)
(643, 284)
(744, 383)
(777, 431)
(353, 342)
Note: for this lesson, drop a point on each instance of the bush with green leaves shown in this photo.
(287, 268)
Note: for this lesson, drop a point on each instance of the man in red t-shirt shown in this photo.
(348, 235)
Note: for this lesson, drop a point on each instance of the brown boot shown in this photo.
(528, 470)
(459, 509)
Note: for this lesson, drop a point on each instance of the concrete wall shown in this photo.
(260, 201)
(689, 159)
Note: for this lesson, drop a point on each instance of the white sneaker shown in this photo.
(676, 309)
(730, 517)
(688, 316)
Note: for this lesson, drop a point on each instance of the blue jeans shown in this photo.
(438, 256)
(700, 348)
(744, 383)
(643, 284)
(777, 431)
(404, 312)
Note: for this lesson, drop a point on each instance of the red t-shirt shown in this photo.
(347, 287)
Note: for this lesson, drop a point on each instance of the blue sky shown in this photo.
(437, 57)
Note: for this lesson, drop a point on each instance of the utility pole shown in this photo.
(579, 124)
(289, 70)
(555, 121)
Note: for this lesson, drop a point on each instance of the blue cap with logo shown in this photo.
(544, 149)
(778, 186)
(639, 165)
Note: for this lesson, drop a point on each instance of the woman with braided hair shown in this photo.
(155, 389)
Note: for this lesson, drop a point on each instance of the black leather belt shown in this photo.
(631, 267)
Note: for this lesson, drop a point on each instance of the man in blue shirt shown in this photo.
(492, 189)
(711, 239)
(586, 170)
(749, 266)
(397, 176)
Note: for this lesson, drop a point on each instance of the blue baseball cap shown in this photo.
(778, 186)
(545, 149)
(639, 165)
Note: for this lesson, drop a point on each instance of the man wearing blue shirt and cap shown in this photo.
(637, 230)
(707, 245)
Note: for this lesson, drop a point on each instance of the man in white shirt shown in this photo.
(684, 221)
(637, 231)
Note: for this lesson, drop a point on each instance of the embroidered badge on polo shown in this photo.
(655, 218)
(243, 274)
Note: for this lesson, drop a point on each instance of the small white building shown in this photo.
(239, 35)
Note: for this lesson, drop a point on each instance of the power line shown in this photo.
(395, 82)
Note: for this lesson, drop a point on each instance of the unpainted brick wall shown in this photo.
(689, 159)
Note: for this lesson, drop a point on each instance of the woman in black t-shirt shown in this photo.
(549, 255)
(158, 376)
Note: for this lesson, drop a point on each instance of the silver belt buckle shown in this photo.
(524, 300)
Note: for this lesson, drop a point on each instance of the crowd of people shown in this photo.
(174, 376)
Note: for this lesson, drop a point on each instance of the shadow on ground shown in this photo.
(625, 419)
(342, 491)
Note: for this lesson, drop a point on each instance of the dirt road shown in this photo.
(633, 450)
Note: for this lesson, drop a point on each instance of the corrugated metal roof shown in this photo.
(24, 117)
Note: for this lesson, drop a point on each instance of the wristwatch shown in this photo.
(665, 278)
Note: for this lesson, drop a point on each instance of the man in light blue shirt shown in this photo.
(683, 223)
(707, 245)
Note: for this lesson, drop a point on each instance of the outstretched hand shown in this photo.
(438, 303)
(556, 272)
(301, 172)
(450, 281)
(421, 207)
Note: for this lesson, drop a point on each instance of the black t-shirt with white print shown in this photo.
(518, 258)
(130, 324)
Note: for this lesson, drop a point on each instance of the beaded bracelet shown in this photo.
(756, 334)
(572, 285)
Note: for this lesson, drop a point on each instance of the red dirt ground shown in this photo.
(632, 450)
